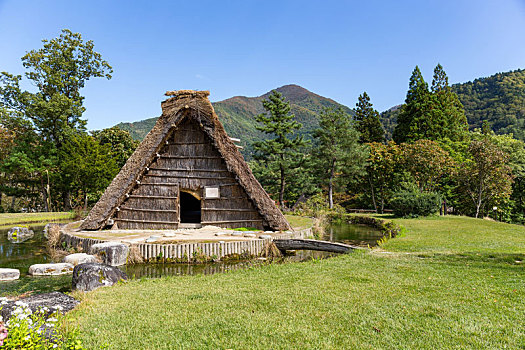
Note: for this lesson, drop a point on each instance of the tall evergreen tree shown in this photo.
(413, 121)
(367, 121)
(338, 153)
(278, 151)
(436, 115)
(448, 115)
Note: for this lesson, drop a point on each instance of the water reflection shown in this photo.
(21, 255)
(159, 270)
(359, 235)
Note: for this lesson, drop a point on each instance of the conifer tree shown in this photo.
(367, 121)
(434, 115)
(338, 153)
(413, 121)
(448, 115)
(278, 151)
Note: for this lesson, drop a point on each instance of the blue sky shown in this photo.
(337, 49)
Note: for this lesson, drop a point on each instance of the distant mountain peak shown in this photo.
(237, 114)
(293, 91)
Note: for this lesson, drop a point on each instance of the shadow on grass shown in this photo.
(479, 258)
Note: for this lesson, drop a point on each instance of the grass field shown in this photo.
(29, 218)
(299, 222)
(448, 283)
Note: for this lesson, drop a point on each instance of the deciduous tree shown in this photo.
(58, 70)
(383, 172)
(485, 179)
(121, 143)
(427, 162)
(87, 165)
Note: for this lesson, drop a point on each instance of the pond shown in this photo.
(33, 251)
(21, 256)
(360, 235)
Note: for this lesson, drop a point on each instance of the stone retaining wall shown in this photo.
(185, 251)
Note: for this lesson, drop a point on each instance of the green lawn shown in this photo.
(27, 218)
(299, 222)
(448, 283)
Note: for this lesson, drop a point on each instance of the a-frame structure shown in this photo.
(186, 170)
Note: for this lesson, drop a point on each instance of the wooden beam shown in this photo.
(148, 210)
(189, 143)
(147, 221)
(196, 170)
(312, 244)
(224, 198)
(190, 177)
(188, 157)
(150, 197)
(158, 184)
(225, 209)
(230, 221)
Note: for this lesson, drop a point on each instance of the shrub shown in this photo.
(317, 206)
(415, 203)
(34, 330)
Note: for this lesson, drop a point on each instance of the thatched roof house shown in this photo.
(186, 170)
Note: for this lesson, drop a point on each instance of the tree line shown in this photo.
(433, 157)
(48, 160)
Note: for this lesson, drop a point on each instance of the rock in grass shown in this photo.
(251, 235)
(90, 276)
(111, 253)
(79, 258)
(19, 234)
(50, 269)
(48, 303)
(236, 234)
(9, 274)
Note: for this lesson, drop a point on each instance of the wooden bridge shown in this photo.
(312, 244)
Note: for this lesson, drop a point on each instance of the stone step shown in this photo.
(9, 274)
(80, 258)
(50, 269)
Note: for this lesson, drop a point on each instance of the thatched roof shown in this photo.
(174, 110)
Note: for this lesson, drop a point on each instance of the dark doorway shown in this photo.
(190, 209)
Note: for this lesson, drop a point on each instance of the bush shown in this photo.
(415, 203)
(35, 330)
(317, 206)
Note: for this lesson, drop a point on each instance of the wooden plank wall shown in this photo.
(188, 162)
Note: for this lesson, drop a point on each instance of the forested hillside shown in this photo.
(499, 99)
(237, 114)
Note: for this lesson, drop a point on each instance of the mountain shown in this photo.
(499, 99)
(237, 115)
